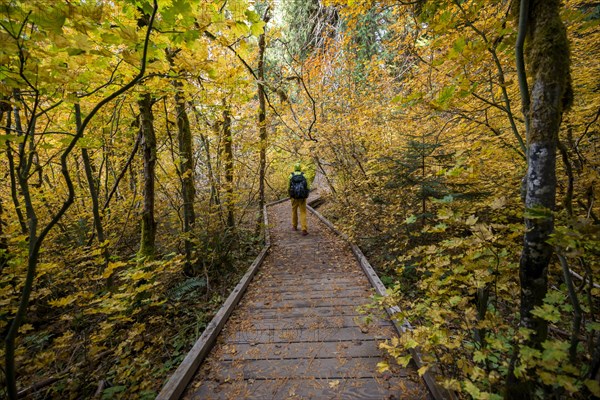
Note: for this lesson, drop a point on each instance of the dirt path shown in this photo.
(297, 332)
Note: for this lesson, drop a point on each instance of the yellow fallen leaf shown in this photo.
(383, 366)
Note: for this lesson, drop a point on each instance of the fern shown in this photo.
(186, 287)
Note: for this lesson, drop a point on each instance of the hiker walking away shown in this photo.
(298, 190)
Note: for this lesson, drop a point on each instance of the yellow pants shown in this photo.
(299, 204)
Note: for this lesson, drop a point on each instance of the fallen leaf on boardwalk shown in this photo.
(334, 384)
(383, 366)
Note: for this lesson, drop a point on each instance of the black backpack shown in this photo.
(298, 186)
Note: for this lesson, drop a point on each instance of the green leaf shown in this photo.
(478, 356)
(593, 326)
(472, 389)
(257, 28)
(51, 20)
(548, 313)
(11, 138)
(410, 220)
(593, 386)
(111, 391)
(555, 350)
(72, 51)
(444, 97)
(459, 45)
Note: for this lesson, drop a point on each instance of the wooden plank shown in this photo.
(188, 367)
(317, 368)
(436, 390)
(329, 301)
(297, 335)
(303, 312)
(321, 272)
(336, 321)
(364, 293)
(278, 351)
(292, 279)
(339, 389)
(309, 288)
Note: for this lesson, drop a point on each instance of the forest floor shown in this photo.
(299, 331)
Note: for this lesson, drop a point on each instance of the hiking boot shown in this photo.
(294, 228)
(304, 232)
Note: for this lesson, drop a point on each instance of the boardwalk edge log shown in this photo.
(437, 392)
(182, 376)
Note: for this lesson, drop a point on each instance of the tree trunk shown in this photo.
(186, 164)
(148, 237)
(13, 171)
(262, 123)
(186, 167)
(3, 241)
(228, 165)
(548, 58)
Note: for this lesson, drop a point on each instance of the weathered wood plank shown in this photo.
(310, 288)
(278, 351)
(341, 321)
(339, 389)
(301, 312)
(317, 368)
(309, 302)
(325, 334)
(353, 292)
(318, 280)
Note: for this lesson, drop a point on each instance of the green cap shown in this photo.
(297, 167)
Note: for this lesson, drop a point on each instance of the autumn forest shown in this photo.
(455, 141)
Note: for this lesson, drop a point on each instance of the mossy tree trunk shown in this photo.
(186, 163)
(262, 122)
(186, 166)
(146, 123)
(548, 59)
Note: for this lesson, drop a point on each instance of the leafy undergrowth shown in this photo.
(456, 279)
(118, 331)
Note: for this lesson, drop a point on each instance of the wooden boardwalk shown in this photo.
(297, 333)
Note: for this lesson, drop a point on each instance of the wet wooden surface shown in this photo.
(298, 333)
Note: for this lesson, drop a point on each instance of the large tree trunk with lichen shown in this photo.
(262, 123)
(548, 59)
(148, 236)
(186, 163)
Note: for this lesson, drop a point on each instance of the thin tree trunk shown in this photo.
(214, 192)
(549, 60)
(3, 241)
(126, 167)
(12, 171)
(148, 235)
(87, 165)
(228, 164)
